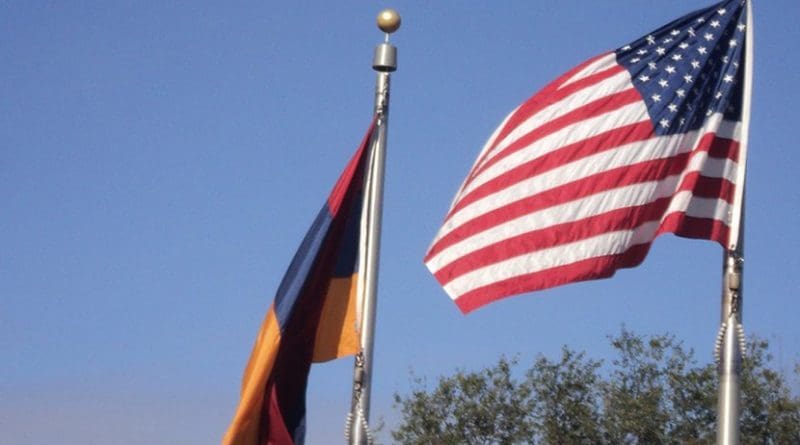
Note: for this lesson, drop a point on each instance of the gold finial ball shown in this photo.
(388, 21)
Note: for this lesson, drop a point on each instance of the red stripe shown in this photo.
(687, 226)
(595, 108)
(594, 268)
(340, 188)
(550, 94)
(616, 220)
(569, 153)
(618, 177)
(543, 97)
(589, 185)
(546, 98)
(708, 187)
(275, 432)
(553, 86)
(554, 92)
(719, 147)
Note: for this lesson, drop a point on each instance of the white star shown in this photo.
(718, 95)
(661, 51)
(681, 92)
(741, 27)
(702, 50)
(683, 121)
(653, 66)
(635, 60)
(626, 48)
(651, 40)
(672, 107)
(688, 78)
(722, 11)
(728, 78)
(715, 23)
(670, 69)
(701, 20)
(691, 32)
(641, 52)
(695, 64)
(668, 40)
(683, 45)
(656, 97)
(677, 57)
(733, 43)
(675, 32)
(663, 83)
(725, 59)
(708, 36)
(664, 123)
(644, 78)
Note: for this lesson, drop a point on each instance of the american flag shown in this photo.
(579, 180)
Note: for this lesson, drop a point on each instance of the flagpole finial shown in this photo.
(386, 54)
(388, 21)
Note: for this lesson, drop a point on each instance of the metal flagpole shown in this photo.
(731, 341)
(384, 62)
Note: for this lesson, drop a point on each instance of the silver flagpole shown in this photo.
(731, 341)
(385, 62)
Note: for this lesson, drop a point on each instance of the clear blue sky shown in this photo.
(160, 162)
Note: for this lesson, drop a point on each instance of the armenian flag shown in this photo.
(312, 319)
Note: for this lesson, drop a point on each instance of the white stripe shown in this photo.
(723, 128)
(714, 208)
(655, 148)
(619, 198)
(577, 132)
(622, 156)
(568, 135)
(628, 115)
(592, 165)
(601, 64)
(484, 150)
(615, 84)
(605, 244)
(611, 243)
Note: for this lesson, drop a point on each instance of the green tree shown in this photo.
(652, 392)
(485, 407)
(657, 394)
(770, 414)
(565, 406)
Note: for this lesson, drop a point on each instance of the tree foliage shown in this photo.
(771, 413)
(565, 402)
(652, 392)
(484, 407)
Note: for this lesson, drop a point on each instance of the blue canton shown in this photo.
(691, 68)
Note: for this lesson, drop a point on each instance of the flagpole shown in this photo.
(731, 341)
(384, 62)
